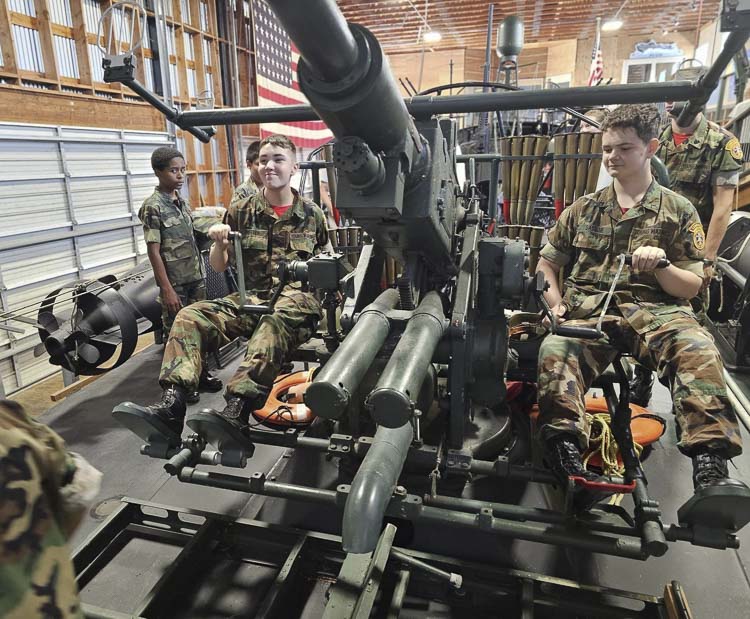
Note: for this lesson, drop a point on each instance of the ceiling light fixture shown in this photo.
(614, 23)
(431, 36)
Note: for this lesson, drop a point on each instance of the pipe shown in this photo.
(373, 487)
(329, 394)
(454, 104)
(707, 84)
(741, 403)
(391, 403)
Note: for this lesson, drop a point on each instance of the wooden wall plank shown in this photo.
(9, 50)
(45, 37)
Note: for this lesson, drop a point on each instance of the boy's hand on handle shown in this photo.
(646, 259)
(219, 233)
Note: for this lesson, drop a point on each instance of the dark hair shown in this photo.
(161, 157)
(597, 114)
(644, 118)
(252, 151)
(278, 140)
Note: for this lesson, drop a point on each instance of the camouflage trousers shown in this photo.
(684, 357)
(208, 325)
(189, 294)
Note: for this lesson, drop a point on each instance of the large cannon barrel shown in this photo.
(330, 393)
(344, 73)
(391, 403)
(373, 487)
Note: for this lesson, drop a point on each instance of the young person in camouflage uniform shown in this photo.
(704, 163)
(650, 315)
(253, 183)
(172, 248)
(276, 224)
(38, 514)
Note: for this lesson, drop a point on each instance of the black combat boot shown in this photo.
(564, 459)
(171, 409)
(237, 411)
(641, 385)
(206, 382)
(710, 469)
(209, 382)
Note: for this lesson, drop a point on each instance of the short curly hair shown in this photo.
(161, 157)
(644, 118)
(278, 140)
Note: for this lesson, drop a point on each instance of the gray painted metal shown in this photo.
(69, 198)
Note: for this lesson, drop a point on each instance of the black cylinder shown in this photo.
(391, 403)
(330, 392)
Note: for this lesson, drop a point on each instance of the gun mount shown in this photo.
(444, 322)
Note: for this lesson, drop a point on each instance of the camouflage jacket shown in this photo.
(696, 165)
(267, 239)
(593, 231)
(244, 190)
(36, 571)
(172, 227)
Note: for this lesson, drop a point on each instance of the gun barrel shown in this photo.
(329, 394)
(329, 32)
(345, 75)
(391, 403)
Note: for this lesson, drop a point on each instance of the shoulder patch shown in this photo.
(699, 237)
(735, 148)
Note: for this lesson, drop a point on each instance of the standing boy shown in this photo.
(171, 246)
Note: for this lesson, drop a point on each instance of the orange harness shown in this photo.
(281, 411)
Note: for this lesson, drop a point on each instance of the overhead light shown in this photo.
(611, 25)
(614, 22)
(432, 36)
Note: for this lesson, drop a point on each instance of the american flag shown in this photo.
(276, 67)
(597, 65)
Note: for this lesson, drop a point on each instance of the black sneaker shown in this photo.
(171, 409)
(641, 385)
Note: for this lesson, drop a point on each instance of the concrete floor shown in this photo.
(716, 582)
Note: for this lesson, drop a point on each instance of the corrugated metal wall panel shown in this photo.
(106, 248)
(59, 12)
(25, 7)
(28, 49)
(22, 159)
(99, 199)
(33, 205)
(92, 10)
(56, 228)
(65, 56)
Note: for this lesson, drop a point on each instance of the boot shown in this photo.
(209, 382)
(710, 469)
(206, 382)
(641, 385)
(564, 459)
(171, 409)
(236, 412)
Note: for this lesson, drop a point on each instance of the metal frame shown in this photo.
(359, 583)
